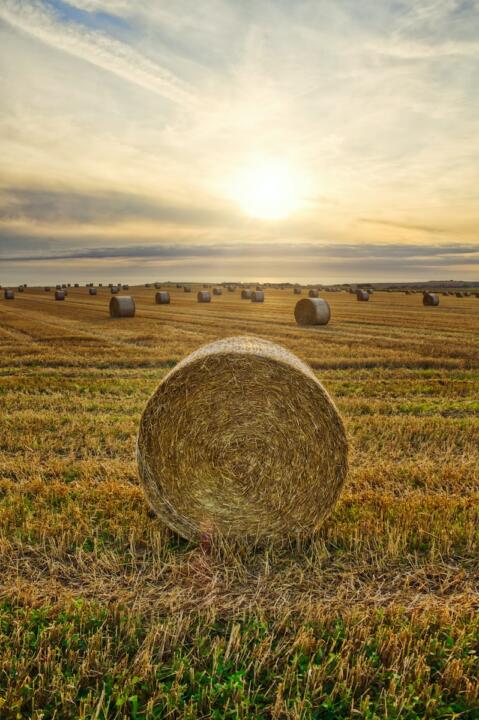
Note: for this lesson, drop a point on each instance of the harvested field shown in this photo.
(105, 613)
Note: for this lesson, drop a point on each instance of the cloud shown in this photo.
(99, 208)
(403, 225)
(94, 47)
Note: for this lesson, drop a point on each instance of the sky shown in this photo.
(275, 140)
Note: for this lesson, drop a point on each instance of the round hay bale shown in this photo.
(203, 296)
(125, 287)
(430, 299)
(312, 311)
(158, 286)
(459, 294)
(114, 289)
(217, 291)
(92, 291)
(257, 296)
(60, 294)
(8, 294)
(246, 294)
(122, 306)
(186, 288)
(297, 291)
(20, 288)
(362, 295)
(77, 285)
(162, 298)
(231, 288)
(47, 289)
(313, 293)
(241, 439)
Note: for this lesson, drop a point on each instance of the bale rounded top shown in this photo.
(313, 293)
(204, 296)
(217, 291)
(297, 291)
(312, 311)
(362, 295)
(241, 439)
(246, 294)
(122, 306)
(92, 291)
(60, 294)
(257, 296)
(8, 294)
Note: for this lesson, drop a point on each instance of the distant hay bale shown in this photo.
(60, 294)
(297, 291)
(231, 288)
(459, 294)
(157, 285)
(122, 306)
(147, 285)
(186, 288)
(430, 299)
(312, 311)
(313, 293)
(162, 297)
(77, 285)
(246, 294)
(114, 289)
(258, 287)
(58, 287)
(20, 288)
(257, 296)
(362, 295)
(8, 294)
(92, 291)
(217, 291)
(47, 289)
(204, 296)
(241, 439)
(125, 287)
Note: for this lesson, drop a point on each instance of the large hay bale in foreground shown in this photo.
(312, 311)
(241, 439)
(430, 299)
(122, 306)
(246, 294)
(162, 297)
(362, 295)
(203, 296)
(257, 296)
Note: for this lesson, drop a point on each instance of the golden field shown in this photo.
(105, 613)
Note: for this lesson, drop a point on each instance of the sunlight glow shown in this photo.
(269, 189)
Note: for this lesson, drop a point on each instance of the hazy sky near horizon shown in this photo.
(125, 125)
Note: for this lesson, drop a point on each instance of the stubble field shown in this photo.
(105, 613)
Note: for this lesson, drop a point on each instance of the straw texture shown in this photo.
(122, 306)
(312, 311)
(241, 439)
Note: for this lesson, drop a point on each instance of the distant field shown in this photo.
(104, 613)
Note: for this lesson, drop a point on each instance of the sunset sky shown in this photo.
(301, 140)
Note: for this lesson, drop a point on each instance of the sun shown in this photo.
(268, 189)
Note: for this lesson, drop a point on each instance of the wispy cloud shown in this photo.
(95, 47)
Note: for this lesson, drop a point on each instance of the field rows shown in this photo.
(377, 616)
